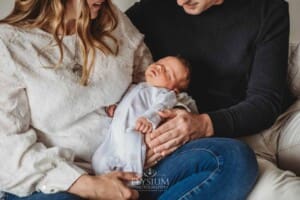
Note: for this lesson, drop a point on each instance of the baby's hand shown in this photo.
(143, 125)
(110, 110)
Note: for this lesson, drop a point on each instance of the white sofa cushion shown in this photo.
(294, 68)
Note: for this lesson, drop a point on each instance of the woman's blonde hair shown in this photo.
(93, 33)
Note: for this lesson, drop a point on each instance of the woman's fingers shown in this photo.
(126, 176)
(110, 186)
(125, 192)
(133, 194)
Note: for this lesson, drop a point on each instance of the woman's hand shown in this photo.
(109, 186)
(180, 127)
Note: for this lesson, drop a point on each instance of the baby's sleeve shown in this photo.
(163, 100)
(187, 102)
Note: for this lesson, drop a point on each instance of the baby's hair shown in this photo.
(187, 64)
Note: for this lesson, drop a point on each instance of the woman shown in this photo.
(60, 62)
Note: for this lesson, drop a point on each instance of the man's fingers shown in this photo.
(169, 151)
(159, 156)
(173, 143)
(153, 160)
(167, 126)
(150, 153)
(165, 137)
(165, 114)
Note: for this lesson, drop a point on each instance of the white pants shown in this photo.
(278, 154)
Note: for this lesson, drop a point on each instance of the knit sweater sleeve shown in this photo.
(267, 81)
(27, 165)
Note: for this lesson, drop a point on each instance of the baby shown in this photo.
(124, 149)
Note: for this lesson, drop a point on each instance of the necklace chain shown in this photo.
(77, 67)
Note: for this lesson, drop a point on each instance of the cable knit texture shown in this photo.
(47, 119)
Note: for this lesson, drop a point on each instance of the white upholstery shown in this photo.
(294, 68)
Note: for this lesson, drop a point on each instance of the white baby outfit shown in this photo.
(124, 148)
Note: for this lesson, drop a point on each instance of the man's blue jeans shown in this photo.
(204, 169)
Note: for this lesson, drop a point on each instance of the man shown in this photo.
(238, 50)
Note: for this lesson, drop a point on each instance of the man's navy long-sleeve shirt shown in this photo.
(238, 52)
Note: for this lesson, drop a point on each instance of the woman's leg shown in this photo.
(42, 196)
(212, 168)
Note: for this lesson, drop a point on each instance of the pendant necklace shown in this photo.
(77, 67)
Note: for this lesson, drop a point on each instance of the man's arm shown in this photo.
(267, 86)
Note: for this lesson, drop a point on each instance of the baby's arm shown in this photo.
(150, 119)
(165, 100)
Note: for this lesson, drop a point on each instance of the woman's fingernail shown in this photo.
(138, 176)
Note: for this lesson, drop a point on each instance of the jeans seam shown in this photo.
(208, 178)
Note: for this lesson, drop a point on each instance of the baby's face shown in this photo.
(168, 72)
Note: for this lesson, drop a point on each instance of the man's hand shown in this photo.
(143, 125)
(110, 110)
(180, 127)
